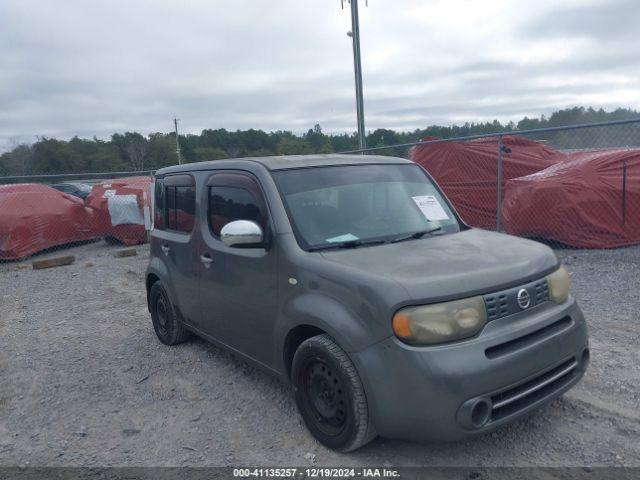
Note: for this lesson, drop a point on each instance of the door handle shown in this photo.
(206, 260)
(165, 249)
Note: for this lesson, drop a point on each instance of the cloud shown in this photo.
(94, 68)
(605, 21)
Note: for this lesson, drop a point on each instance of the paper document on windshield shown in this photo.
(430, 208)
(342, 238)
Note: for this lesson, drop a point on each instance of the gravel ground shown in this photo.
(84, 382)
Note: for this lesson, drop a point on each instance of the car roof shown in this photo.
(284, 162)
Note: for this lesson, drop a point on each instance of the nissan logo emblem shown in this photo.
(524, 299)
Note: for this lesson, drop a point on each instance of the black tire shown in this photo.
(330, 395)
(166, 324)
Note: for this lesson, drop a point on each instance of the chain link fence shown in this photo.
(53, 212)
(576, 186)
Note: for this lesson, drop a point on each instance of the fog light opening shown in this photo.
(480, 413)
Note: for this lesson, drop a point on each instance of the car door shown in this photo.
(174, 226)
(238, 290)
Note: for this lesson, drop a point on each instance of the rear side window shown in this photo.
(176, 204)
(234, 197)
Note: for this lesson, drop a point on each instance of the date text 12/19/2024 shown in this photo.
(315, 473)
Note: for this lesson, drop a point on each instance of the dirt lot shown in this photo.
(83, 381)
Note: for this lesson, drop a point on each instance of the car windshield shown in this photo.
(356, 205)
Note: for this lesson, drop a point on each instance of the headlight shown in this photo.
(440, 322)
(559, 285)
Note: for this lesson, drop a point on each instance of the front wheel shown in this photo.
(330, 395)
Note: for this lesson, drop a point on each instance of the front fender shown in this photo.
(352, 332)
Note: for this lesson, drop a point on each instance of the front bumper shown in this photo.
(447, 392)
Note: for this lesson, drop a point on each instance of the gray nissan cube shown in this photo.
(353, 278)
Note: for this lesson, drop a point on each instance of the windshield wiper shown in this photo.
(347, 244)
(415, 235)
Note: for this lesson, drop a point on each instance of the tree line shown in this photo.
(132, 151)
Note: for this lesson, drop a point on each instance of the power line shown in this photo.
(175, 124)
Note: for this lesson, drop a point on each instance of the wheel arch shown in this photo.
(313, 314)
(157, 272)
(294, 339)
(151, 279)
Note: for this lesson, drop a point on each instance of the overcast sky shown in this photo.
(77, 67)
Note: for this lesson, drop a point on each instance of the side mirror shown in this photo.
(241, 232)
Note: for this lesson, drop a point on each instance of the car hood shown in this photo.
(443, 267)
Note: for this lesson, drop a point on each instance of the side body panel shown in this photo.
(180, 271)
(238, 291)
(172, 259)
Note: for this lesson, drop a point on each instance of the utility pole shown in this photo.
(175, 123)
(357, 67)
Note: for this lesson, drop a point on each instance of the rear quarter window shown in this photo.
(175, 204)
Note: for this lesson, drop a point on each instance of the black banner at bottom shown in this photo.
(408, 473)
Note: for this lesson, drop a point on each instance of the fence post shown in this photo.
(624, 192)
(499, 212)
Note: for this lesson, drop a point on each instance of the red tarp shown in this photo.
(36, 217)
(467, 171)
(579, 202)
(122, 208)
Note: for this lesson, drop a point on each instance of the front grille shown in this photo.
(497, 306)
(541, 291)
(529, 339)
(521, 396)
(504, 303)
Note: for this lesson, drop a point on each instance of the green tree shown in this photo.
(291, 145)
(18, 161)
(134, 151)
(161, 150)
(203, 154)
(133, 148)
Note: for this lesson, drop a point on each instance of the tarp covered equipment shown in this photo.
(591, 200)
(467, 171)
(123, 208)
(36, 217)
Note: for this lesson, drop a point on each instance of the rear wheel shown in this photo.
(166, 324)
(330, 395)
